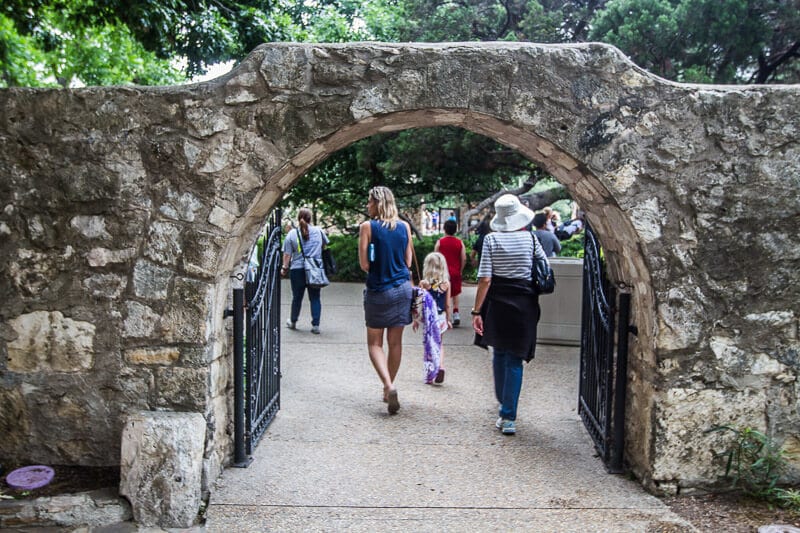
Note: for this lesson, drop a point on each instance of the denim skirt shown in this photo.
(388, 309)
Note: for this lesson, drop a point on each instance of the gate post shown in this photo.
(615, 465)
(240, 459)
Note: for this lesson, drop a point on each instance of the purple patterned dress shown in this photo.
(425, 309)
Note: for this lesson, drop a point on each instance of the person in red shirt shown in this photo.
(453, 250)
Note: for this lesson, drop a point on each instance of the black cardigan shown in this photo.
(510, 315)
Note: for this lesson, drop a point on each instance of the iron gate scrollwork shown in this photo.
(604, 354)
(257, 341)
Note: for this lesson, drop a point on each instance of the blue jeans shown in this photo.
(507, 382)
(297, 276)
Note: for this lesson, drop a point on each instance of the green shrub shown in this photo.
(572, 247)
(345, 250)
(755, 464)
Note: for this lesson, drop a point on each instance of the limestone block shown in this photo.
(91, 227)
(205, 122)
(218, 153)
(14, 421)
(183, 206)
(192, 151)
(220, 376)
(241, 96)
(100, 257)
(105, 285)
(201, 253)
(187, 315)
(648, 217)
(161, 467)
(684, 448)
(152, 356)
(128, 166)
(679, 325)
(222, 218)
(141, 320)
(163, 243)
(150, 281)
(33, 271)
(50, 341)
(180, 387)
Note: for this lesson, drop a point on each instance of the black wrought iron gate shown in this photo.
(257, 346)
(604, 357)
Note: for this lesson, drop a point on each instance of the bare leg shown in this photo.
(378, 357)
(394, 336)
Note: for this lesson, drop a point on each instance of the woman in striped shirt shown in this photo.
(506, 311)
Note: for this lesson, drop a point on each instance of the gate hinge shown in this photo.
(227, 313)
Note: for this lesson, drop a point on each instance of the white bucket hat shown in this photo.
(511, 214)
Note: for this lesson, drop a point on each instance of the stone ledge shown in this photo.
(94, 508)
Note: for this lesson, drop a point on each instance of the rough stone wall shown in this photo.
(124, 211)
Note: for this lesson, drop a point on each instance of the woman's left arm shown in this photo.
(480, 296)
(364, 237)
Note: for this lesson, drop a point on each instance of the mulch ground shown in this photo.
(730, 512)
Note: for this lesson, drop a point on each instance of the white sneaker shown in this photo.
(456, 319)
(508, 427)
(290, 324)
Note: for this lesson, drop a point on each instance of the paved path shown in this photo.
(334, 460)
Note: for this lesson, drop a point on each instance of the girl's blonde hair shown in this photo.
(384, 201)
(435, 268)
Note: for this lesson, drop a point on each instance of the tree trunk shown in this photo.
(535, 201)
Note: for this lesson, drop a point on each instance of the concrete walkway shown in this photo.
(334, 460)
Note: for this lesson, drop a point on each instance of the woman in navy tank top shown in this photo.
(384, 253)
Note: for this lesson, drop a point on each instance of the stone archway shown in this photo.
(127, 208)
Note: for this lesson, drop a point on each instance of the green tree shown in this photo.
(60, 53)
(431, 165)
(714, 41)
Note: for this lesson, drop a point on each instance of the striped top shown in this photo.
(508, 255)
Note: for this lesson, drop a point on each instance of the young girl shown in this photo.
(436, 282)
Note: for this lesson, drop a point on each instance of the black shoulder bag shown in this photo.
(543, 278)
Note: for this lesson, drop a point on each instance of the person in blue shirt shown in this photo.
(548, 239)
(308, 240)
(384, 253)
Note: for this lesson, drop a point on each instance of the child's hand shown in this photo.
(415, 326)
(424, 284)
(444, 286)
